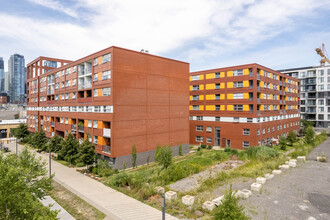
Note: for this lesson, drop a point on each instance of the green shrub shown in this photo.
(310, 135)
(180, 150)
(231, 151)
(203, 146)
(282, 142)
(121, 179)
(292, 137)
(220, 156)
(80, 164)
(230, 210)
(94, 170)
(209, 147)
(134, 155)
(164, 156)
(261, 153)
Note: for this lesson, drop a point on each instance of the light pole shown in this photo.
(50, 162)
(16, 145)
(163, 209)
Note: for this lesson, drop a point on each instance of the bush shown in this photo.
(230, 210)
(209, 147)
(203, 146)
(220, 155)
(310, 136)
(261, 153)
(164, 156)
(282, 143)
(180, 150)
(231, 151)
(120, 180)
(292, 137)
(80, 164)
(134, 155)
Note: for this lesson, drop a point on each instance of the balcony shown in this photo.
(107, 132)
(280, 101)
(251, 111)
(74, 127)
(258, 100)
(280, 83)
(258, 88)
(250, 87)
(258, 112)
(250, 99)
(281, 92)
(81, 128)
(85, 100)
(250, 73)
(106, 149)
(258, 77)
(52, 123)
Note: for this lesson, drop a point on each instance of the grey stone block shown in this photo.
(261, 180)
(160, 190)
(256, 187)
(208, 205)
(276, 171)
(170, 195)
(218, 201)
(188, 200)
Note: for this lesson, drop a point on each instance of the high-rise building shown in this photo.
(2, 75)
(242, 106)
(315, 93)
(6, 82)
(116, 98)
(17, 78)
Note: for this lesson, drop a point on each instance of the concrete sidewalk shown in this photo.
(63, 214)
(114, 204)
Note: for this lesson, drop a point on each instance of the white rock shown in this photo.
(293, 160)
(292, 164)
(276, 171)
(218, 201)
(286, 162)
(285, 167)
(321, 158)
(188, 200)
(301, 158)
(244, 194)
(256, 187)
(269, 176)
(170, 195)
(159, 190)
(261, 180)
(208, 205)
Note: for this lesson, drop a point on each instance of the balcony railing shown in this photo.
(52, 123)
(258, 77)
(258, 112)
(106, 149)
(258, 100)
(81, 128)
(107, 132)
(251, 111)
(250, 87)
(74, 127)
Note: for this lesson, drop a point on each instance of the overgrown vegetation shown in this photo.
(164, 156)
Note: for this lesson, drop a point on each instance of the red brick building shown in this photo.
(115, 98)
(242, 106)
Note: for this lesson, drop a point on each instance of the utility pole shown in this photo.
(50, 162)
(16, 146)
(163, 210)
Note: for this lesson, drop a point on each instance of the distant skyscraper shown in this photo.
(6, 82)
(2, 75)
(16, 69)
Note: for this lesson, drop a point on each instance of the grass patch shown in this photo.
(73, 204)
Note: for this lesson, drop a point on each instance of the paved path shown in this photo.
(63, 214)
(114, 204)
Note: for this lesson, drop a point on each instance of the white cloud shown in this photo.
(198, 30)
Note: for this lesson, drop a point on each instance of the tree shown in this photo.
(305, 124)
(87, 153)
(164, 156)
(39, 140)
(282, 142)
(230, 210)
(16, 116)
(292, 137)
(133, 155)
(20, 132)
(310, 135)
(22, 178)
(69, 151)
(180, 150)
(56, 143)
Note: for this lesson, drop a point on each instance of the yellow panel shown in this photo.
(222, 96)
(210, 97)
(271, 107)
(210, 86)
(245, 107)
(230, 96)
(101, 140)
(271, 86)
(222, 107)
(71, 95)
(286, 98)
(210, 76)
(245, 95)
(229, 85)
(201, 87)
(99, 92)
(286, 107)
(245, 72)
(99, 60)
(201, 77)
(222, 74)
(271, 75)
(222, 85)
(261, 84)
(190, 78)
(229, 73)
(271, 96)
(229, 107)
(190, 88)
(261, 96)
(86, 123)
(201, 97)
(245, 83)
(261, 107)
(210, 107)
(99, 76)
(262, 73)
(190, 107)
(201, 107)
(190, 97)
(100, 125)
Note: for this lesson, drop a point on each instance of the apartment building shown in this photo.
(116, 98)
(315, 93)
(242, 106)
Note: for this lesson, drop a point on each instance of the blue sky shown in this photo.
(206, 33)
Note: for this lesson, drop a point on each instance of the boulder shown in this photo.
(292, 164)
(293, 160)
(218, 201)
(244, 194)
(285, 167)
(301, 158)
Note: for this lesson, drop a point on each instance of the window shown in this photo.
(238, 107)
(106, 58)
(106, 91)
(238, 84)
(67, 95)
(195, 87)
(195, 107)
(321, 109)
(208, 140)
(321, 117)
(217, 96)
(74, 69)
(321, 102)
(95, 140)
(199, 118)
(106, 75)
(57, 97)
(89, 123)
(263, 131)
(228, 142)
(95, 124)
(194, 78)
(321, 72)
(74, 82)
(236, 119)
(258, 132)
(57, 85)
(195, 97)
(67, 83)
(238, 96)
(246, 131)
(208, 129)
(268, 129)
(96, 77)
(217, 86)
(199, 139)
(320, 87)
(96, 92)
(199, 128)
(217, 118)
(74, 95)
(238, 72)
(62, 84)
(66, 121)
(62, 96)
(217, 107)
(95, 63)
(321, 80)
(249, 120)
(217, 75)
(246, 144)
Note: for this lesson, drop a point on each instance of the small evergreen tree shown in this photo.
(282, 143)
(87, 153)
(164, 156)
(310, 135)
(56, 143)
(20, 132)
(180, 150)
(134, 155)
(39, 140)
(230, 210)
(292, 137)
(69, 149)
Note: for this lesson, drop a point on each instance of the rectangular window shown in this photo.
(238, 107)
(195, 107)
(95, 124)
(95, 140)
(238, 84)
(228, 142)
(217, 96)
(199, 118)
(217, 118)
(74, 82)
(89, 123)
(96, 77)
(95, 62)
(238, 72)
(96, 92)
(238, 96)
(74, 69)
(57, 97)
(106, 58)
(268, 130)
(62, 96)
(217, 75)
(258, 132)
(217, 107)
(74, 95)
(246, 131)
(208, 140)
(195, 87)
(194, 78)
(106, 91)
(263, 131)
(208, 129)
(249, 120)
(217, 86)
(106, 75)
(236, 119)
(67, 95)
(199, 128)
(199, 139)
(195, 97)
(66, 121)
(246, 144)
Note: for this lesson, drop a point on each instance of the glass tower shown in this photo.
(16, 68)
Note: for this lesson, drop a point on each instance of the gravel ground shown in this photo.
(297, 194)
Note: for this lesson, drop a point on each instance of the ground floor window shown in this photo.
(209, 140)
(246, 144)
(199, 139)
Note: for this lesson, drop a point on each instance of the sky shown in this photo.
(208, 34)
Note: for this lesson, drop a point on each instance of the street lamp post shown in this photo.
(163, 208)
(50, 162)
(16, 145)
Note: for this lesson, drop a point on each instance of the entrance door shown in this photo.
(3, 133)
(216, 136)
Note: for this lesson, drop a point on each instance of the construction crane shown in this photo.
(323, 53)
